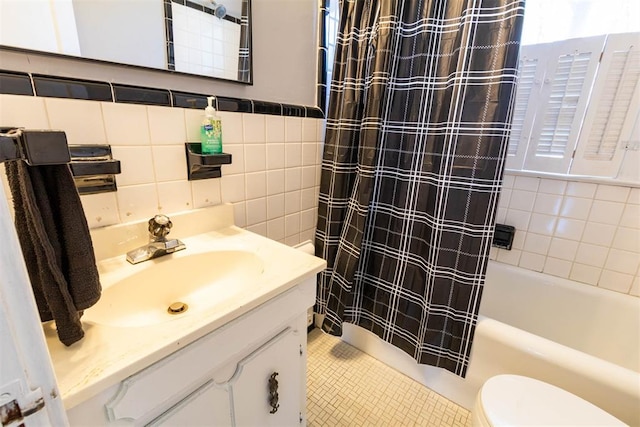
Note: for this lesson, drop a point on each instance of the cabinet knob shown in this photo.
(273, 393)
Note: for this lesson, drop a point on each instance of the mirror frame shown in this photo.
(246, 12)
(167, 69)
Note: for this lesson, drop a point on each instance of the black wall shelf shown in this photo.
(204, 166)
(94, 168)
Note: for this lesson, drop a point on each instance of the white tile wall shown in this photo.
(583, 231)
(82, 121)
(207, 193)
(25, 111)
(205, 44)
(174, 196)
(292, 129)
(101, 209)
(162, 125)
(275, 129)
(137, 202)
(273, 181)
(126, 124)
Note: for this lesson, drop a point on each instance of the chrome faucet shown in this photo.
(159, 245)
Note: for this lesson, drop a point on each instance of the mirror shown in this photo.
(203, 37)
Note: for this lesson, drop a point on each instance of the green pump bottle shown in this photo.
(211, 130)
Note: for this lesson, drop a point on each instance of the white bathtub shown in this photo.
(580, 338)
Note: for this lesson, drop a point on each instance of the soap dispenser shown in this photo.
(211, 130)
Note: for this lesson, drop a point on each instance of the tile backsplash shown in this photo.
(583, 231)
(272, 183)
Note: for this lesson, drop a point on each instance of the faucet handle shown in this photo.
(159, 227)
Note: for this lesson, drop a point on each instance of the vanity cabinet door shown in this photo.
(207, 406)
(254, 391)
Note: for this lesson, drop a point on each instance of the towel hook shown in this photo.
(35, 147)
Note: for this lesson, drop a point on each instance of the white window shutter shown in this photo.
(569, 76)
(613, 109)
(630, 169)
(531, 68)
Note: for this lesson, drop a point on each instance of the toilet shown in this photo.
(514, 400)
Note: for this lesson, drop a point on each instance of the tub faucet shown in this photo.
(159, 245)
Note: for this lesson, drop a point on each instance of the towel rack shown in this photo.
(36, 147)
(92, 166)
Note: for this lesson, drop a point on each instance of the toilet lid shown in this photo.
(514, 400)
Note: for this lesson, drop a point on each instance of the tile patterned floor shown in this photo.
(346, 387)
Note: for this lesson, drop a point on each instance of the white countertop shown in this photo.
(109, 354)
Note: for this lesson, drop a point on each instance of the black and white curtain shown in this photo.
(417, 129)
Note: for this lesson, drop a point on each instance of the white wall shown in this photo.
(284, 60)
(131, 32)
(54, 21)
(285, 51)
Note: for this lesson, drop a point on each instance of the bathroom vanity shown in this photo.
(236, 355)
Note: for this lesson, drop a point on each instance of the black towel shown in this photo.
(56, 245)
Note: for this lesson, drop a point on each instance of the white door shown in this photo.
(28, 391)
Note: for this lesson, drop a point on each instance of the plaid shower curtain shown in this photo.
(417, 129)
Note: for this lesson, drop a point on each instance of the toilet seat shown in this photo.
(514, 400)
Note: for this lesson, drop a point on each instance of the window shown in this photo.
(613, 114)
(548, 21)
(578, 101)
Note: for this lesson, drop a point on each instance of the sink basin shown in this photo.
(200, 280)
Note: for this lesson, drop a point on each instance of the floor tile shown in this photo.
(346, 387)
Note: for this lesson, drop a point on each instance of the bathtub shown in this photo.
(583, 339)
